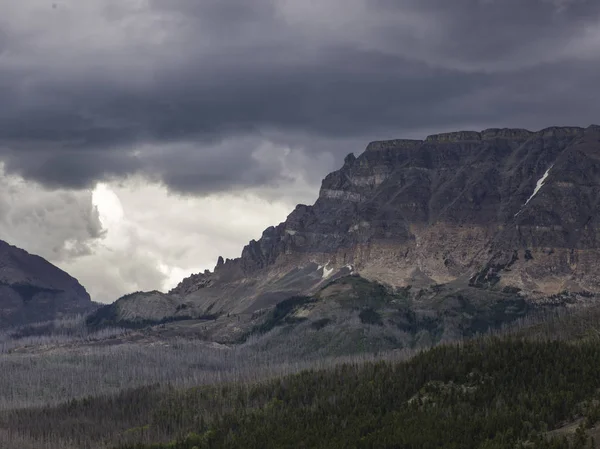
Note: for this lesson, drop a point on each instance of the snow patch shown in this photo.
(538, 186)
(350, 267)
(302, 313)
(327, 272)
(290, 232)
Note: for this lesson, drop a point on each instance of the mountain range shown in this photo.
(446, 235)
(415, 240)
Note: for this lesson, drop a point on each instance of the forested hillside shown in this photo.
(492, 394)
(487, 393)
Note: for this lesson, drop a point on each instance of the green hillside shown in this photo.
(488, 393)
(493, 394)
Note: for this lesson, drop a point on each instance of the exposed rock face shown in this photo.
(449, 206)
(32, 289)
(501, 208)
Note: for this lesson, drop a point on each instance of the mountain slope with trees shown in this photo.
(490, 392)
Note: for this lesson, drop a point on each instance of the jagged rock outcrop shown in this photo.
(498, 209)
(32, 289)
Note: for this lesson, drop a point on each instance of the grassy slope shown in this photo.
(349, 315)
(353, 315)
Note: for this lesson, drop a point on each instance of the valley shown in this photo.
(292, 224)
(534, 383)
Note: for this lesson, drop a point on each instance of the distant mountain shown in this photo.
(466, 214)
(32, 289)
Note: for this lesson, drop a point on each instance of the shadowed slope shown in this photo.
(32, 289)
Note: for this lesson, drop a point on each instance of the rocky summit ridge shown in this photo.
(502, 209)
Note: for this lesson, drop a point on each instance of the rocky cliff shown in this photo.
(502, 209)
(453, 205)
(32, 289)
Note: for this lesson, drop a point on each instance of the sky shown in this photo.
(141, 139)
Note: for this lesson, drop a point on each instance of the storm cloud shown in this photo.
(141, 139)
(195, 94)
(60, 224)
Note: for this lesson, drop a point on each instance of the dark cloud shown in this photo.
(492, 35)
(190, 92)
(73, 168)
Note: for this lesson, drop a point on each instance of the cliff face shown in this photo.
(455, 205)
(502, 209)
(32, 289)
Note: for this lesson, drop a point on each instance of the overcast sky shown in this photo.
(141, 139)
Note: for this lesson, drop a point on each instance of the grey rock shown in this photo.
(32, 289)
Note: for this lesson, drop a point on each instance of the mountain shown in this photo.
(32, 289)
(503, 212)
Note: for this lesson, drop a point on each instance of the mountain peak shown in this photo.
(504, 210)
(32, 289)
(488, 188)
(409, 199)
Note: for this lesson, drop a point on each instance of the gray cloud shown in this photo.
(58, 225)
(190, 92)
